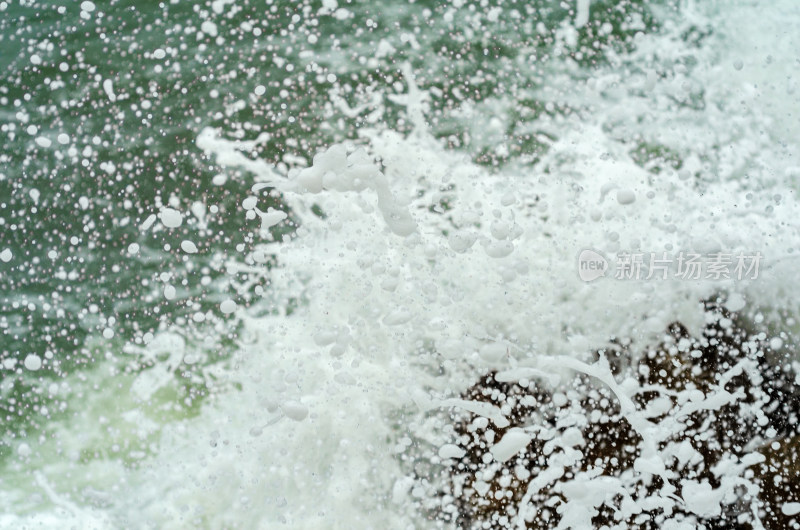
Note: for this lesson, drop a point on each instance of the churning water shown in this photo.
(251, 251)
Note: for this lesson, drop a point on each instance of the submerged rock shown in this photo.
(696, 432)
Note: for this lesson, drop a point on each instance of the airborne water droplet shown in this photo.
(228, 306)
(171, 218)
(33, 362)
(188, 247)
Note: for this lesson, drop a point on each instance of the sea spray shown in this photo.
(423, 261)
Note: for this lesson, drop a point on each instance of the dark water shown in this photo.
(74, 202)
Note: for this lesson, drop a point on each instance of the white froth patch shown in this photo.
(701, 498)
(513, 441)
(735, 302)
(582, 13)
(493, 352)
(626, 196)
(451, 451)
(271, 217)
(295, 410)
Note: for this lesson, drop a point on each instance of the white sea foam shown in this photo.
(393, 293)
(398, 290)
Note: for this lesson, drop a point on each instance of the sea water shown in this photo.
(249, 249)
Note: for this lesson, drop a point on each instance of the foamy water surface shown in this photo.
(415, 268)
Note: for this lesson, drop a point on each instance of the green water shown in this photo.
(71, 205)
